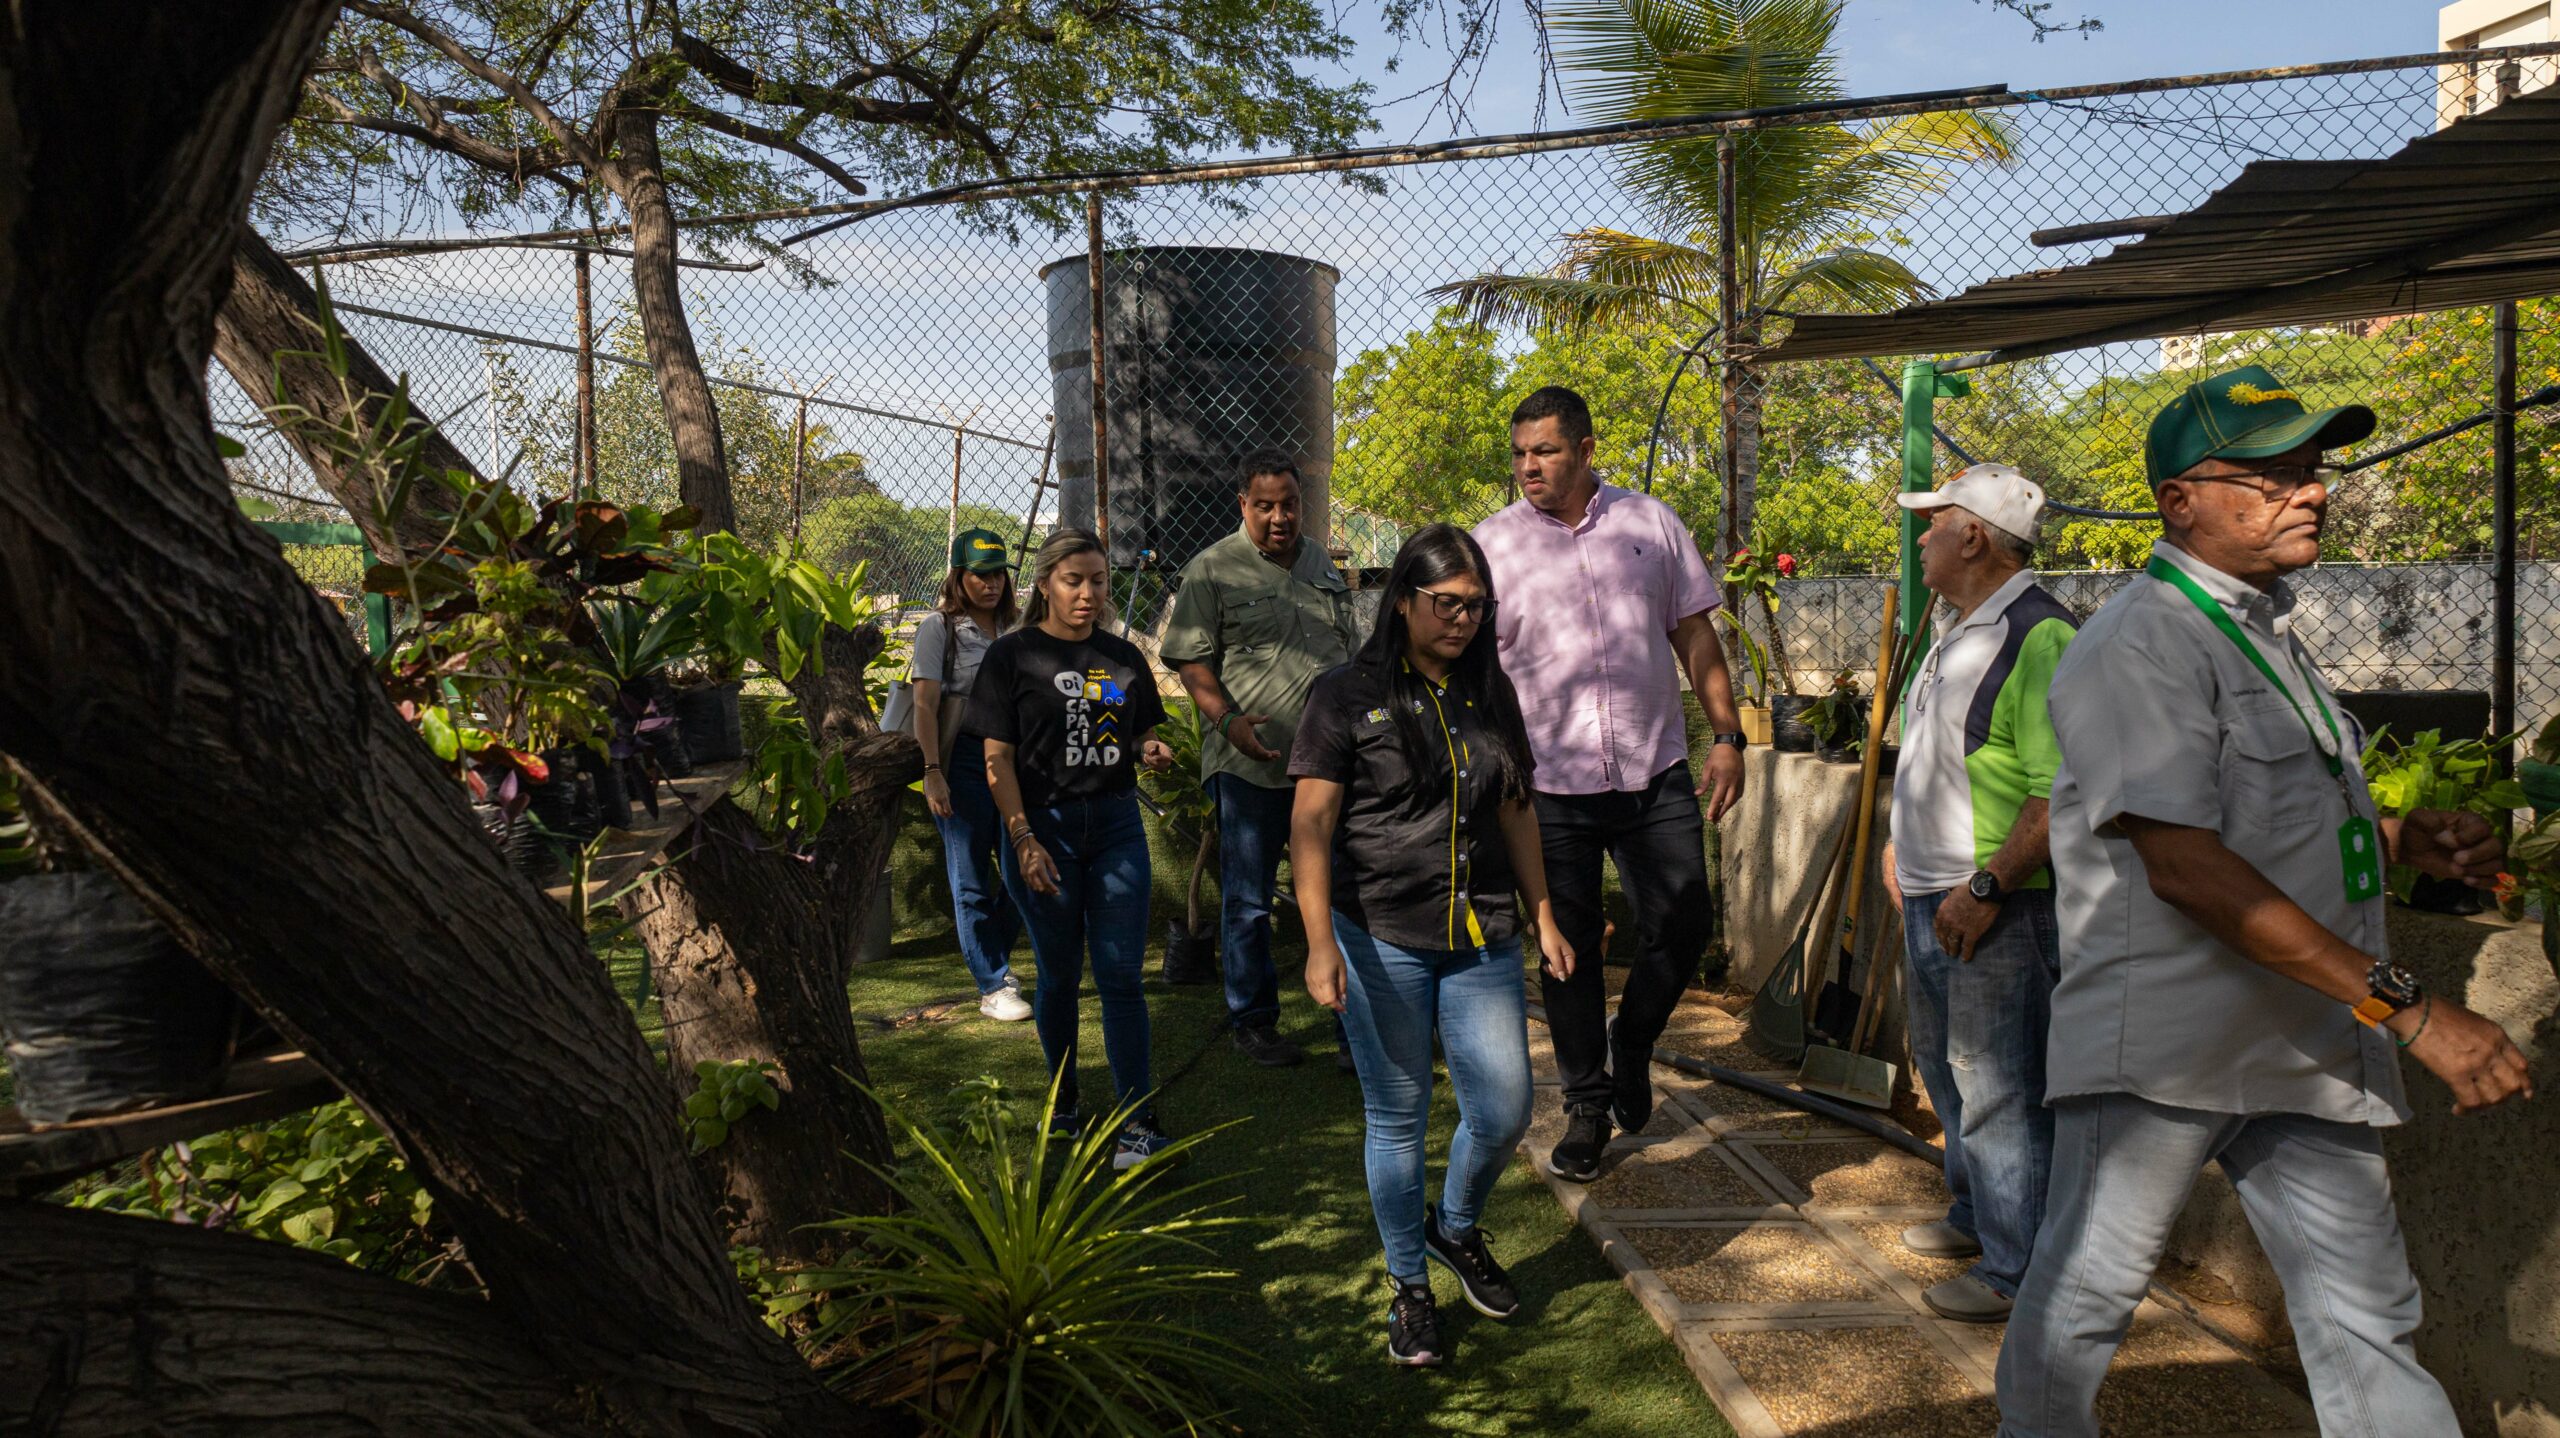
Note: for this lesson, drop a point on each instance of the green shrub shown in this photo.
(1024, 1287)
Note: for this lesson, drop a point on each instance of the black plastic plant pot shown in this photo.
(100, 1009)
(671, 748)
(713, 730)
(564, 803)
(2445, 896)
(533, 853)
(1190, 958)
(1788, 731)
(613, 793)
(1837, 753)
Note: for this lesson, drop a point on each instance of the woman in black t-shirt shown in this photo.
(1069, 712)
(1411, 830)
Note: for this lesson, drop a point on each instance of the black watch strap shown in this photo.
(1736, 738)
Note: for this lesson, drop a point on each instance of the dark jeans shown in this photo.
(1253, 836)
(1977, 1036)
(1657, 838)
(973, 844)
(1100, 909)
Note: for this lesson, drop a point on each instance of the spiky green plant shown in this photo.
(18, 854)
(1023, 1287)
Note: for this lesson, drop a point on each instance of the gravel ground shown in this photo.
(1858, 1383)
(1765, 1115)
(1852, 1173)
(1696, 1178)
(1770, 1263)
(2168, 1378)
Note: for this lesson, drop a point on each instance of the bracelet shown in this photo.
(2426, 1011)
(933, 768)
(1221, 725)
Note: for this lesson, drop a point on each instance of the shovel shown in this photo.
(1845, 1072)
(1777, 1009)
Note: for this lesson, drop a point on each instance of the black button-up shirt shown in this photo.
(1418, 856)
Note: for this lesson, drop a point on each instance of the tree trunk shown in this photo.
(693, 421)
(172, 683)
(266, 334)
(751, 949)
(133, 1326)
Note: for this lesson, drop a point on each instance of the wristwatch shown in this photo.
(2394, 988)
(1737, 739)
(1985, 885)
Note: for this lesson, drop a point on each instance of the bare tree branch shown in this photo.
(756, 134)
(568, 135)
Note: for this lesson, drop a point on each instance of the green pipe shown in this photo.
(377, 609)
(1922, 388)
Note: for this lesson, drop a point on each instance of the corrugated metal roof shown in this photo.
(2467, 215)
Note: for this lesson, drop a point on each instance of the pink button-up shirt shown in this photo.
(1585, 628)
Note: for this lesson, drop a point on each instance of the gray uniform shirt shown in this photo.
(2160, 716)
(925, 656)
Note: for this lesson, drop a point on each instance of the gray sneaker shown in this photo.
(1967, 1299)
(1940, 1239)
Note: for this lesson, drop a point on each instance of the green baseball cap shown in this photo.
(2246, 414)
(978, 551)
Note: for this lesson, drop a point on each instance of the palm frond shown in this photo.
(1559, 302)
(1850, 279)
(1647, 59)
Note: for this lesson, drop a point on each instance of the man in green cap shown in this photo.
(2227, 991)
(1260, 614)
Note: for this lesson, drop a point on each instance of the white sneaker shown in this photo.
(1004, 1006)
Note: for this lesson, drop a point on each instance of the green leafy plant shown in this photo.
(1839, 719)
(1185, 797)
(761, 608)
(789, 786)
(326, 1180)
(725, 1093)
(1023, 1287)
(637, 640)
(1747, 574)
(2428, 771)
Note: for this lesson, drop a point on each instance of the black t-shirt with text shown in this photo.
(1073, 710)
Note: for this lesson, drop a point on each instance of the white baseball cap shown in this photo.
(1997, 494)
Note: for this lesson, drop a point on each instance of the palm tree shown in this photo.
(1808, 197)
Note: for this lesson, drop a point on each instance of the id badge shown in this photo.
(2360, 859)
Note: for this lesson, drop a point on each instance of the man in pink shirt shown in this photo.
(1604, 599)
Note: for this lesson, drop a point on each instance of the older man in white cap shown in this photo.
(1968, 864)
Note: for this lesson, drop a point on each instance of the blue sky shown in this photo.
(1895, 45)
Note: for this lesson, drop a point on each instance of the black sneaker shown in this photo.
(1413, 1328)
(1262, 1044)
(1141, 1142)
(1486, 1287)
(1576, 1156)
(1630, 1084)
(1066, 1123)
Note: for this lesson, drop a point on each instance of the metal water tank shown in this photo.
(1208, 353)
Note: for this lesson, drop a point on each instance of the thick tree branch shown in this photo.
(755, 134)
(839, 99)
(112, 1325)
(401, 19)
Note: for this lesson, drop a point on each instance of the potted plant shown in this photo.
(1771, 678)
(1191, 942)
(101, 1009)
(2430, 772)
(636, 643)
(1838, 720)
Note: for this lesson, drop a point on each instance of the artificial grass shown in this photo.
(1310, 1301)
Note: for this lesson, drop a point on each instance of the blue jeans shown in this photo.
(1978, 1038)
(1253, 836)
(973, 844)
(2317, 1196)
(1100, 909)
(1394, 998)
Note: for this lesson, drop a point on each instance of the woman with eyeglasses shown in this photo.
(1411, 831)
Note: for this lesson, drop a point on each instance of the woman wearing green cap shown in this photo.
(976, 604)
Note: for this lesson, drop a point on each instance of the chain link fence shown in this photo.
(927, 368)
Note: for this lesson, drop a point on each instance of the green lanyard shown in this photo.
(2170, 574)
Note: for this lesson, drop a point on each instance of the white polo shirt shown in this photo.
(1977, 742)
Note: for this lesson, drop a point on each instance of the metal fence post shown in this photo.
(1101, 402)
(799, 462)
(584, 465)
(2502, 505)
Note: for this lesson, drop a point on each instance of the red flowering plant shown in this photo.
(1746, 573)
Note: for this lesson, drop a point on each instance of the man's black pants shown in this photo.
(1657, 838)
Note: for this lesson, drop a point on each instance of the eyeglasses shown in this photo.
(1447, 607)
(2276, 483)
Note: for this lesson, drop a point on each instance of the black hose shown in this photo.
(1891, 1133)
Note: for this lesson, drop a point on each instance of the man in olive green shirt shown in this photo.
(1259, 615)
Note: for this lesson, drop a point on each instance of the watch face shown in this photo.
(1983, 885)
(2394, 983)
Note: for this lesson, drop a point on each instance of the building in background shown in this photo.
(2472, 86)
